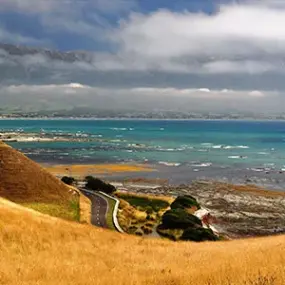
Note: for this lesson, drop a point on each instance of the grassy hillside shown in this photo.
(25, 182)
(38, 249)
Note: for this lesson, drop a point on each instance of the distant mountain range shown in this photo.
(70, 56)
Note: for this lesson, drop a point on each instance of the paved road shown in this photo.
(99, 209)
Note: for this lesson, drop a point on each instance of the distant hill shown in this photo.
(22, 180)
(70, 56)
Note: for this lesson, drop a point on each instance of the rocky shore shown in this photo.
(44, 137)
(237, 211)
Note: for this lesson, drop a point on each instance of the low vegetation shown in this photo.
(140, 214)
(144, 203)
(96, 184)
(198, 234)
(39, 250)
(68, 180)
(180, 219)
(186, 201)
(68, 211)
(180, 224)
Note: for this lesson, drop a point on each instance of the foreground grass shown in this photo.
(68, 211)
(40, 250)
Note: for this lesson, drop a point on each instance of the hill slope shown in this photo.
(37, 249)
(21, 179)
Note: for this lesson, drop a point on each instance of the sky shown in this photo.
(210, 55)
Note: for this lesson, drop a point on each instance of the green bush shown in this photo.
(172, 234)
(99, 185)
(183, 202)
(179, 219)
(144, 203)
(68, 180)
(150, 217)
(198, 234)
(149, 210)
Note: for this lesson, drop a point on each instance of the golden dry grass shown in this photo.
(133, 217)
(69, 211)
(127, 215)
(147, 196)
(36, 249)
(85, 209)
(95, 169)
(250, 189)
(27, 183)
(85, 206)
(23, 180)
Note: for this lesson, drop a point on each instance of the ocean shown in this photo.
(234, 151)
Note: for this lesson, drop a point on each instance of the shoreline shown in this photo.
(135, 176)
(140, 119)
(175, 176)
(237, 210)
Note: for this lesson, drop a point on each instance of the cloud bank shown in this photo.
(53, 97)
(234, 55)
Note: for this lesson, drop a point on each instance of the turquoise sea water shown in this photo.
(187, 148)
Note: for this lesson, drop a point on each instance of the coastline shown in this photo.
(237, 210)
(170, 175)
(178, 152)
(140, 119)
(134, 176)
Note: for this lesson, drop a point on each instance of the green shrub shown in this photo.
(198, 234)
(150, 217)
(99, 185)
(172, 234)
(149, 210)
(144, 203)
(183, 202)
(179, 219)
(68, 180)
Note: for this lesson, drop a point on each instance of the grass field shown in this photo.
(140, 214)
(68, 211)
(41, 250)
(144, 203)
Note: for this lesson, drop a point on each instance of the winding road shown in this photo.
(99, 209)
